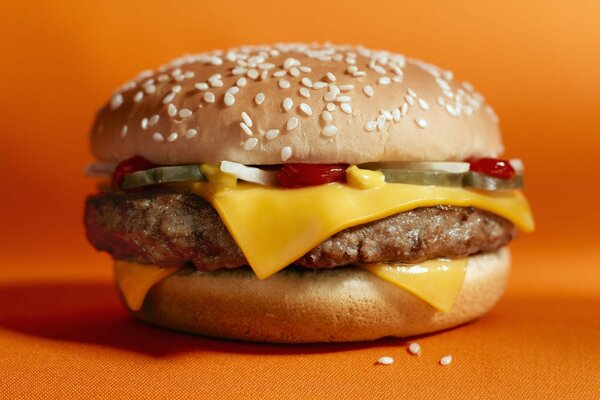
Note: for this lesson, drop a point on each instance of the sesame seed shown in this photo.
(396, 114)
(334, 89)
(346, 107)
(190, 133)
(412, 93)
(448, 93)
(144, 123)
(201, 86)
(331, 107)
(287, 103)
(492, 114)
(238, 70)
(292, 124)
(216, 60)
(158, 137)
(331, 77)
(343, 99)
(326, 115)
(385, 361)
(172, 137)
(442, 84)
(423, 104)
(229, 99)
(379, 69)
(397, 78)
(264, 75)
(409, 99)
(116, 101)
(246, 129)
(451, 110)
(185, 113)
(329, 130)
(252, 74)
(172, 110)
(138, 96)
(330, 96)
(154, 119)
(386, 114)
(306, 82)
(250, 143)
(304, 92)
(414, 349)
(272, 134)
(241, 82)
(215, 83)
(283, 84)
(368, 90)
(381, 122)
(422, 123)
(176, 89)
(259, 98)
(294, 72)
(247, 119)
(209, 97)
(467, 86)
(306, 109)
(352, 69)
(404, 109)
(280, 74)
(286, 153)
(346, 88)
(446, 360)
(290, 62)
(150, 89)
(168, 98)
(124, 131)
(370, 126)
(441, 101)
(319, 85)
(233, 90)
(384, 80)
(305, 69)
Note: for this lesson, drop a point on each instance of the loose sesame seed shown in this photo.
(414, 349)
(209, 97)
(124, 131)
(229, 99)
(201, 86)
(247, 119)
(138, 96)
(246, 129)
(168, 98)
(331, 77)
(306, 109)
(422, 123)
(319, 85)
(286, 153)
(292, 124)
(331, 107)
(346, 107)
(329, 130)
(385, 361)
(272, 134)
(304, 92)
(412, 93)
(172, 110)
(423, 104)
(250, 144)
(190, 133)
(326, 115)
(446, 360)
(384, 80)
(287, 104)
(172, 137)
(259, 98)
(346, 88)
(158, 137)
(283, 84)
(370, 126)
(368, 90)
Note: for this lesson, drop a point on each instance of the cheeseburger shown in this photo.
(304, 193)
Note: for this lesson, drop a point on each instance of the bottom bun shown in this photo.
(307, 306)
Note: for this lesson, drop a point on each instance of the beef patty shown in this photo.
(170, 228)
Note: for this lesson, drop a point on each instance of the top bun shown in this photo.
(296, 103)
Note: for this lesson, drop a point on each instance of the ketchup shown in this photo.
(299, 175)
(493, 167)
(128, 166)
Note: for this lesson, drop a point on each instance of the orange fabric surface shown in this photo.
(63, 332)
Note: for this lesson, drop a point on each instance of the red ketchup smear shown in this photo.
(299, 175)
(493, 167)
(128, 166)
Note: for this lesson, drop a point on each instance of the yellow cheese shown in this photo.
(275, 226)
(135, 280)
(437, 282)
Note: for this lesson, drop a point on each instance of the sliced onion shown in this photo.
(249, 174)
(517, 164)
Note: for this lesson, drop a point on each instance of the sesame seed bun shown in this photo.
(338, 305)
(296, 103)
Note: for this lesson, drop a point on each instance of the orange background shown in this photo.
(62, 330)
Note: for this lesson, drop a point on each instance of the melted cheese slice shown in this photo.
(438, 282)
(135, 280)
(275, 226)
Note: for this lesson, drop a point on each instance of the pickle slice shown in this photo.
(153, 176)
(484, 182)
(423, 177)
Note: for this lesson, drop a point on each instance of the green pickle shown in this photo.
(477, 180)
(178, 173)
(423, 177)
